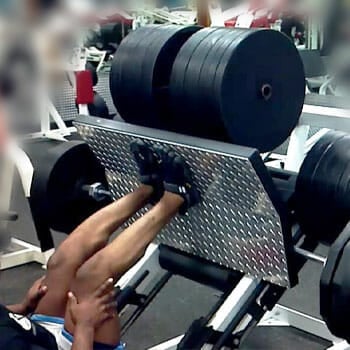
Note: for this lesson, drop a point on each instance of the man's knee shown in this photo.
(55, 261)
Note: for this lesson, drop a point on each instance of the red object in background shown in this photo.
(262, 22)
(231, 23)
(85, 88)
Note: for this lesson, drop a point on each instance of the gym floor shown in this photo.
(177, 305)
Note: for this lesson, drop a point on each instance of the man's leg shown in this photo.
(115, 259)
(90, 237)
(94, 233)
(119, 256)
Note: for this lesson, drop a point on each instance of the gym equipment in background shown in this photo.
(99, 107)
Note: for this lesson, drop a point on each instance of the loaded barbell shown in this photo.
(241, 86)
(322, 203)
(322, 209)
(69, 184)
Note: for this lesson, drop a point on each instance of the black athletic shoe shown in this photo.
(149, 161)
(178, 179)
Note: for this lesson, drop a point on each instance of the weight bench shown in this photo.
(238, 240)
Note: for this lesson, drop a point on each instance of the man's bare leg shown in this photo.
(94, 233)
(119, 256)
(130, 246)
(91, 236)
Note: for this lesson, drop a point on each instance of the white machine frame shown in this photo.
(280, 316)
(300, 144)
(22, 252)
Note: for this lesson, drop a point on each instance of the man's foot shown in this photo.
(149, 161)
(178, 179)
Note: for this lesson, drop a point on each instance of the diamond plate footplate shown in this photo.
(236, 224)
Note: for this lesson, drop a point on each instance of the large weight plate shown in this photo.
(248, 101)
(157, 69)
(144, 74)
(188, 100)
(331, 217)
(127, 59)
(309, 165)
(210, 107)
(59, 175)
(335, 290)
(262, 90)
(183, 58)
(181, 115)
(134, 99)
(326, 284)
(319, 196)
(191, 90)
(211, 66)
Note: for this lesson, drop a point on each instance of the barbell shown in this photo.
(69, 183)
(322, 195)
(241, 86)
(322, 208)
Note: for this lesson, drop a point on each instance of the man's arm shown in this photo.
(30, 302)
(83, 338)
(19, 309)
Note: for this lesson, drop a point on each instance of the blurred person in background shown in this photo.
(17, 330)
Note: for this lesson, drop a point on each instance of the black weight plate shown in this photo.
(239, 34)
(99, 108)
(343, 189)
(303, 192)
(210, 67)
(205, 116)
(197, 60)
(334, 256)
(262, 58)
(193, 92)
(144, 80)
(309, 201)
(340, 297)
(308, 167)
(132, 75)
(157, 67)
(125, 59)
(180, 103)
(59, 175)
(129, 62)
(124, 51)
(331, 220)
(182, 60)
(208, 102)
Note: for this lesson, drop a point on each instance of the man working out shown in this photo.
(85, 259)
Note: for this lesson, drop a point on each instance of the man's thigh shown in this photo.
(61, 270)
(88, 278)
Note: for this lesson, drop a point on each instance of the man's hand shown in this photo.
(34, 295)
(96, 309)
